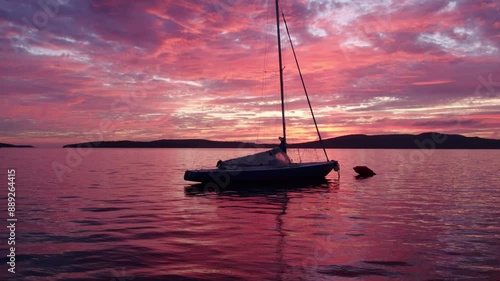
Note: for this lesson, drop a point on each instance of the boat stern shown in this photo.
(336, 165)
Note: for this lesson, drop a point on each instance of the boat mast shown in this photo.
(281, 71)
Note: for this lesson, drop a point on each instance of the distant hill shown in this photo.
(189, 143)
(425, 140)
(12, 145)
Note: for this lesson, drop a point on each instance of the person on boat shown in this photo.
(282, 145)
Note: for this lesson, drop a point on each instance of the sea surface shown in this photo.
(127, 214)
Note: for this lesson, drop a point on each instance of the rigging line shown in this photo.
(281, 72)
(266, 55)
(304, 86)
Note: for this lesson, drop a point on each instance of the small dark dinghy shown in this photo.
(364, 171)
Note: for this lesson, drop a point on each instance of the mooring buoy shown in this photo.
(364, 171)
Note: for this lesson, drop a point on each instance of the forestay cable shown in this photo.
(304, 86)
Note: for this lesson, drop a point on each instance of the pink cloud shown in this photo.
(435, 82)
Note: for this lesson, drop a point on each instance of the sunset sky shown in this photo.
(74, 71)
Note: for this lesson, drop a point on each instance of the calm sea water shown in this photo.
(127, 214)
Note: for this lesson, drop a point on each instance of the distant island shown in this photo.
(12, 145)
(187, 143)
(400, 141)
(406, 141)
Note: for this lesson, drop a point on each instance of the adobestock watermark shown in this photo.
(122, 106)
(230, 6)
(375, 26)
(221, 179)
(487, 87)
(323, 252)
(47, 10)
(121, 275)
(424, 149)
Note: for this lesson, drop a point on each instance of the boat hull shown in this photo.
(289, 173)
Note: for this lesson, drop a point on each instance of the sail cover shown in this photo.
(274, 157)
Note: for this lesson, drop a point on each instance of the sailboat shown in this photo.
(273, 166)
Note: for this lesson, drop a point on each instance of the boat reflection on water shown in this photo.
(266, 203)
(255, 189)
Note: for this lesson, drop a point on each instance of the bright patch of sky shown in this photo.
(173, 81)
(466, 48)
(462, 31)
(39, 51)
(316, 31)
(344, 12)
(467, 105)
(450, 7)
(355, 42)
(353, 107)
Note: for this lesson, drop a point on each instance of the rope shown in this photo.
(304, 86)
